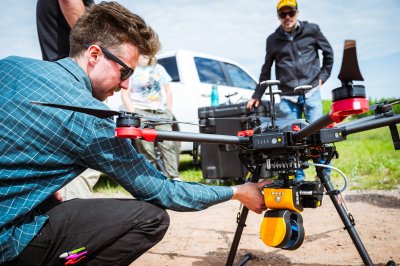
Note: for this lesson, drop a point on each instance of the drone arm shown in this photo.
(361, 120)
(340, 110)
(382, 122)
(198, 137)
(151, 135)
(318, 124)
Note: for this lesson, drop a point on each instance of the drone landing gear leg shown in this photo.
(347, 219)
(239, 229)
(159, 161)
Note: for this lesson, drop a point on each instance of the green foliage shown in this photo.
(326, 106)
(369, 160)
(189, 171)
(106, 185)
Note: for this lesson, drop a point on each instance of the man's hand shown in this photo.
(252, 102)
(250, 195)
(58, 196)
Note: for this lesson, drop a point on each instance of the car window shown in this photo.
(240, 78)
(169, 63)
(210, 71)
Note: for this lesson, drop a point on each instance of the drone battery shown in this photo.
(220, 161)
(269, 141)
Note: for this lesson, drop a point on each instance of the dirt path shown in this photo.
(204, 238)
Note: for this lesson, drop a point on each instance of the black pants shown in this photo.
(113, 231)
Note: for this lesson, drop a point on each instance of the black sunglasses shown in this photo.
(283, 15)
(126, 71)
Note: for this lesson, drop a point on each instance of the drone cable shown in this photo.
(340, 191)
(333, 168)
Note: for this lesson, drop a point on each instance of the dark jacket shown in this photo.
(296, 58)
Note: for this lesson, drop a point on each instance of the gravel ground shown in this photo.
(204, 238)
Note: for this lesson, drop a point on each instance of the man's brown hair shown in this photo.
(109, 24)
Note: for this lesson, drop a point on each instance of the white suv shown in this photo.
(193, 75)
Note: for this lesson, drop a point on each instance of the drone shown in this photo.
(282, 146)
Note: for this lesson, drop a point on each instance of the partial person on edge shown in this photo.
(54, 21)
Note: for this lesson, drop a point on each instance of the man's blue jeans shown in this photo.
(312, 105)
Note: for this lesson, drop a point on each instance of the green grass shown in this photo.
(189, 171)
(369, 160)
(107, 185)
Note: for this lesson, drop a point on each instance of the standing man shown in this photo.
(293, 47)
(54, 21)
(44, 148)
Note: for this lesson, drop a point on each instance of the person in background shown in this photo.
(293, 47)
(150, 95)
(44, 148)
(54, 21)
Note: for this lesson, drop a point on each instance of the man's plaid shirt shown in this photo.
(43, 148)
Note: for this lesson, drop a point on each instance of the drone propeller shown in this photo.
(158, 122)
(90, 111)
(229, 118)
(385, 105)
(101, 113)
(350, 70)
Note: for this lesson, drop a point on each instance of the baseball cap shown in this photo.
(282, 3)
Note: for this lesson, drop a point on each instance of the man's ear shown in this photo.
(93, 53)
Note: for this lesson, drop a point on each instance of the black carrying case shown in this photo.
(217, 161)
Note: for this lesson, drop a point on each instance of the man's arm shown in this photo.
(250, 195)
(72, 10)
(166, 79)
(327, 54)
(119, 160)
(168, 93)
(269, 60)
(265, 75)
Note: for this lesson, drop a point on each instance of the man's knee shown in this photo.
(160, 224)
(151, 220)
(146, 236)
(145, 227)
(164, 223)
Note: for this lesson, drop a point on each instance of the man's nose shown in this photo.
(124, 84)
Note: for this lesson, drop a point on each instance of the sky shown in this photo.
(237, 30)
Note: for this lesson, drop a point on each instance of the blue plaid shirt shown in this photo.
(43, 148)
